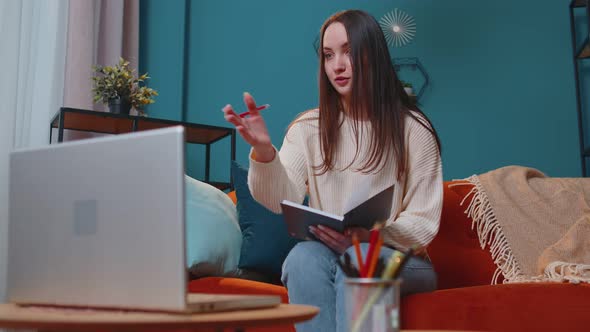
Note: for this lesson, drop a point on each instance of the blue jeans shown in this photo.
(312, 277)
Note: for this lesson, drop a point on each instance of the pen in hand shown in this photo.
(259, 108)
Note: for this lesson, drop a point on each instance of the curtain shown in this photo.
(33, 35)
(48, 48)
(100, 32)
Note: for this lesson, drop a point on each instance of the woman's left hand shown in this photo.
(337, 241)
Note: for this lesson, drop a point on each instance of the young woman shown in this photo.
(365, 130)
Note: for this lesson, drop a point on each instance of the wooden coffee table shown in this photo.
(65, 319)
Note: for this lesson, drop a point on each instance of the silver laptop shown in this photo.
(100, 223)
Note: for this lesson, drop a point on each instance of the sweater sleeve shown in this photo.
(419, 219)
(282, 178)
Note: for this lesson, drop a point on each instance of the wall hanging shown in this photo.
(399, 28)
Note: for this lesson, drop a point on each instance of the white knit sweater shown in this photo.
(417, 201)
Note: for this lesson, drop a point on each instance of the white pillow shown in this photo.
(213, 236)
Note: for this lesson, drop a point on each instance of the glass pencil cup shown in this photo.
(372, 304)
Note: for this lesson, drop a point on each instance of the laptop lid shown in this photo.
(99, 223)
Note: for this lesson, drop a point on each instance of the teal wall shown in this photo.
(501, 92)
(161, 41)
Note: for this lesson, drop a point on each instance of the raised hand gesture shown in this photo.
(252, 128)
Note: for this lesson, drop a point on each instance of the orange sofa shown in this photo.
(465, 300)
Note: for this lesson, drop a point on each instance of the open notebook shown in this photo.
(368, 212)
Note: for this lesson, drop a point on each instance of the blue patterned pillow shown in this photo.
(265, 240)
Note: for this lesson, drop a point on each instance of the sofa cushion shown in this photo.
(216, 285)
(213, 237)
(232, 196)
(506, 307)
(455, 252)
(265, 240)
(219, 285)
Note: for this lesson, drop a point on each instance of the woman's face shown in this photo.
(337, 61)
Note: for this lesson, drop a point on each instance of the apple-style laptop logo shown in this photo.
(85, 218)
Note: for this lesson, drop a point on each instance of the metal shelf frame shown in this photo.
(580, 54)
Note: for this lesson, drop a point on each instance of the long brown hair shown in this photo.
(377, 96)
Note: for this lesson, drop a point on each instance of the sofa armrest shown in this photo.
(455, 252)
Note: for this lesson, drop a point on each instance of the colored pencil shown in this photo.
(357, 251)
(375, 257)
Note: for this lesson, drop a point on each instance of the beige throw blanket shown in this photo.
(538, 228)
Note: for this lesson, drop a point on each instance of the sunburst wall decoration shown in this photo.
(399, 28)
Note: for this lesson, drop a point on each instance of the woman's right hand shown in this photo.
(252, 129)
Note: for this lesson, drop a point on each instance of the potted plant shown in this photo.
(119, 87)
(408, 88)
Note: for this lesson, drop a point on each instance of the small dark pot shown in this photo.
(119, 106)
